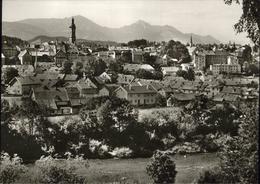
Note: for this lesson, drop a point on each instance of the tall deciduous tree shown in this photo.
(250, 19)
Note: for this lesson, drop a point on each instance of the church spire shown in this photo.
(73, 31)
(191, 43)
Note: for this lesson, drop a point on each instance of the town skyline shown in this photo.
(189, 16)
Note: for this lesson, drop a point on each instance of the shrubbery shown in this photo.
(211, 176)
(51, 170)
(162, 168)
(11, 168)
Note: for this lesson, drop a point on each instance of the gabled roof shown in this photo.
(232, 90)
(86, 84)
(53, 93)
(27, 80)
(225, 97)
(183, 96)
(49, 76)
(111, 87)
(139, 89)
(70, 77)
(123, 76)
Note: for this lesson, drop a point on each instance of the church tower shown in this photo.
(73, 31)
(191, 43)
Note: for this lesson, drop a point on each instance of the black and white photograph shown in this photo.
(130, 91)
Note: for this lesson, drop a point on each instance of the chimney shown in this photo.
(147, 86)
(130, 87)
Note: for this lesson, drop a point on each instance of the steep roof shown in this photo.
(27, 80)
(86, 84)
(111, 87)
(183, 96)
(139, 89)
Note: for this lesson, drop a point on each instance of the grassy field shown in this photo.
(133, 170)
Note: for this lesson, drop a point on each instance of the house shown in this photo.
(166, 91)
(22, 85)
(179, 99)
(55, 99)
(137, 95)
(167, 60)
(137, 56)
(123, 79)
(75, 99)
(170, 70)
(86, 88)
(108, 89)
(227, 68)
(186, 66)
(105, 77)
(231, 98)
(211, 90)
(60, 57)
(190, 87)
(199, 60)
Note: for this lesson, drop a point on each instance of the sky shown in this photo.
(204, 17)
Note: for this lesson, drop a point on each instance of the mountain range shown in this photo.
(86, 29)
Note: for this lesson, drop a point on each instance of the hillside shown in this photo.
(86, 29)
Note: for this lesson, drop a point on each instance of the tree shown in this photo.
(138, 43)
(162, 168)
(177, 50)
(79, 69)
(160, 100)
(67, 67)
(144, 74)
(9, 74)
(250, 19)
(14, 141)
(187, 75)
(240, 153)
(95, 67)
(252, 69)
(190, 74)
(116, 66)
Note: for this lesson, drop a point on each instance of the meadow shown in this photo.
(133, 170)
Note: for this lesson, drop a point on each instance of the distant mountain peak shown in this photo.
(87, 29)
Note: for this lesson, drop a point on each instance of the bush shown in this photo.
(11, 168)
(161, 168)
(121, 152)
(51, 170)
(98, 149)
(187, 147)
(210, 176)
